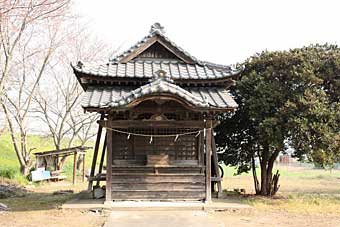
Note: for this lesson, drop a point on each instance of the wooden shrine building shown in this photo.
(158, 105)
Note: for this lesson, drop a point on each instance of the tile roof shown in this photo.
(160, 32)
(153, 32)
(146, 69)
(121, 96)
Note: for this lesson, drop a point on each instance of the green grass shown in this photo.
(298, 203)
(302, 173)
(302, 190)
(9, 165)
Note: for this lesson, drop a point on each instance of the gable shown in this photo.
(156, 51)
(155, 44)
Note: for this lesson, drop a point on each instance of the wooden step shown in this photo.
(158, 195)
(159, 186)
(157, 178)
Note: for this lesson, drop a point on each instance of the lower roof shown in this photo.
(119, 97)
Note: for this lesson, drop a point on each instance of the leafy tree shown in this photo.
(285, 98)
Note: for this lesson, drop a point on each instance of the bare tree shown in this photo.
(62, 115)
(17, 101)
(83, 127)
(61, 111)
(28, 39)
(17, 18)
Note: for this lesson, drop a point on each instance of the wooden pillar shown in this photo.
(202, 150)
(84, 167)
(102, 160)
(95, 154)
(108, 197)
(74, 167)
(208, 161)
(215, 160)
(56, 163)
(199, 149)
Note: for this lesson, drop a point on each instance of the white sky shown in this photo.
(219, 31)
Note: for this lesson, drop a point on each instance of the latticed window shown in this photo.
(137, 147)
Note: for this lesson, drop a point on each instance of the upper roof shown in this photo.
(146, 69)
(152, 53)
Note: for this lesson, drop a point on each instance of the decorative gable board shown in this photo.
(163, 45)
(157, 51)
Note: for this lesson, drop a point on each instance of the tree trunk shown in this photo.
(269, 183)
(25, 170)
(80, 161)
(62, 162)
(256, 181)
(263, 177)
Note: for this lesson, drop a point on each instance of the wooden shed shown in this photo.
(158, 105)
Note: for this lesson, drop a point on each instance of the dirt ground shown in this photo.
(57, 217)
(257, 218)
(41, 208)
(53, 218)
(307, 201)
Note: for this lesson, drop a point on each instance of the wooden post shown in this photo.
(56, 163)
(84, 167)
(208, 162)
(109, 166)
(215, 160)
(199, 150)
(102, 160)
(95, 154)
(74, 167)
(202, 150)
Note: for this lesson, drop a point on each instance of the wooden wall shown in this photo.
(135, 148)
(147, 183)
(132, 178)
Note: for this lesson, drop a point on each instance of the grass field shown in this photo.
(9, 161)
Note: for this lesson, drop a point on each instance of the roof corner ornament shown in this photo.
(157, 28)
(80, 64)
(161, 75)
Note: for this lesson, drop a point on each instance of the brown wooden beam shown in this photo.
(208, 161)
(95, 154)
(74, 167)
(109, 166)
(151, 124)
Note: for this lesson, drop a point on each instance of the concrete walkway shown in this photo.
(161, 219)
(216, 205)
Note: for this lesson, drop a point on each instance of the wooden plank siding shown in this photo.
(158, 186)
